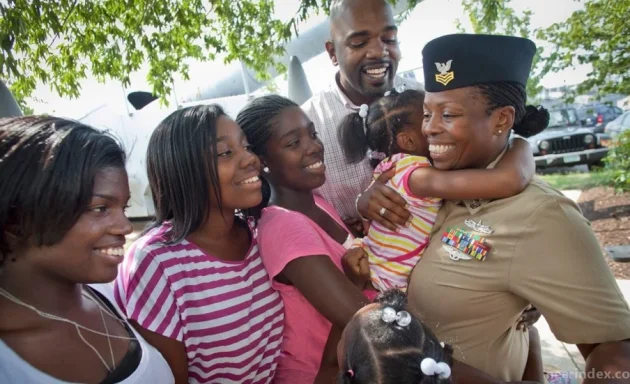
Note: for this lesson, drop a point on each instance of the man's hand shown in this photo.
(379, 196)
(356, 266)
(529, 317)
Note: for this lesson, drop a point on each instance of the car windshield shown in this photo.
(557, 119)
(562, 118)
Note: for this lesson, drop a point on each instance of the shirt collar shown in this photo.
(475, 205)
(336, 89)
(334, 86)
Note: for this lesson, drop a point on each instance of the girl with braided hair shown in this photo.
(385, 343)
(390, 131)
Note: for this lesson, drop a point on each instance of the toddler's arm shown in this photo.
(508, 178)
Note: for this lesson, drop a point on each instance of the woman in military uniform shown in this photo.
(488, 260)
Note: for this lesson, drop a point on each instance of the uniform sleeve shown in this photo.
(559, 267)
(286, 237)
(144, 291)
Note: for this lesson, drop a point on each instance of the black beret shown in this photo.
(464, 60)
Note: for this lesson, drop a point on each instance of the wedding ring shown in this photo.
(382, 211)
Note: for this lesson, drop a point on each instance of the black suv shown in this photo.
(597, 116)
(566, 143)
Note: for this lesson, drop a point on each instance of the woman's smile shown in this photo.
(316, 167)
(251, 181)
(113, 254)
(441, 152)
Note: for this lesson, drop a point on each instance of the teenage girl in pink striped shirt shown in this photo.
(194, 283)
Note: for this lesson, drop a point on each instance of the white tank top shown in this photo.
(152, 368)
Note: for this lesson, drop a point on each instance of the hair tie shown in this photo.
(430, 367)
(402, 318)
(363, 112)
(375, 155)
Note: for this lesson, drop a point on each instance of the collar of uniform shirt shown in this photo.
(475, 205)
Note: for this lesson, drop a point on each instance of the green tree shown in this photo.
(61, 42)
(598, 35)
(506, 21)
(618, 163)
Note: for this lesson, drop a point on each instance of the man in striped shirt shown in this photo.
(364, 46)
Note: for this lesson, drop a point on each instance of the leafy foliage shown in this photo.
(506, 22)
(598, 35)
(61, 42)
(618, 162)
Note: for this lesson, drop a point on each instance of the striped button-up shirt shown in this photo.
(344, 182)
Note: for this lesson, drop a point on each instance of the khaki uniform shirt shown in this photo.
(543, 252)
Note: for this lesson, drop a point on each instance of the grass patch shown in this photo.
(578, 180)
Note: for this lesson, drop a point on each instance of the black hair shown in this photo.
(528, 119)
(47, 170)
(385, 119)
(257, 120)
(377, 352)
(182, 168)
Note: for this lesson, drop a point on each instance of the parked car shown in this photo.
(566, 143)
(620, 124)
(597, 116)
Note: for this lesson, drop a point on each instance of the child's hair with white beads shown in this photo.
(386, 343)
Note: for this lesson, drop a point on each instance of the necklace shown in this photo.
(102, 308)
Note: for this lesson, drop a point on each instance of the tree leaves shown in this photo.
(598, 35)
(61, 42)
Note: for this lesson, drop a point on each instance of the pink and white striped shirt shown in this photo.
(394, 254)
(226, 313)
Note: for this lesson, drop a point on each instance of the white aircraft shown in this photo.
(232, 91)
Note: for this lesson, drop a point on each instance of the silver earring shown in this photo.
(266, 169)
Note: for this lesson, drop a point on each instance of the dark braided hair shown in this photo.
(377, 352)
(257, 120)
(528, 119)
(47, 170)
(386, 118)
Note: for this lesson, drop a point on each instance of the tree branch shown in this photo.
(63, 25)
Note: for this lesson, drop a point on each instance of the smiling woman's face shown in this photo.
(238, 168)
(460, 132)
(294, 153)
(92, 249)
